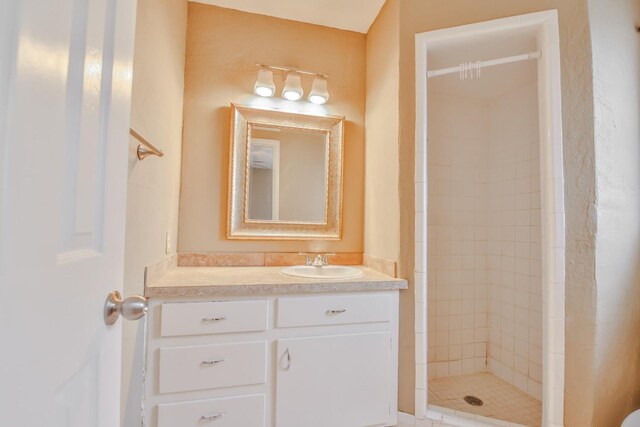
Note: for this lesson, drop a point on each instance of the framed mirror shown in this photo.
(285, 175)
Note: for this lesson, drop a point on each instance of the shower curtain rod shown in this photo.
(475, 66)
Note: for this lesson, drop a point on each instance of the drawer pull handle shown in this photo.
(213, 417)
(342, 310)
(214, 319)
(213, 362)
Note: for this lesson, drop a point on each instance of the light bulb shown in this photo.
(292, 87)
(264, 91)
(319, 93)
(317, 99)
(291, 95)
(264, 84)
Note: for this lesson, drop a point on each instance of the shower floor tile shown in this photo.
(501, 400)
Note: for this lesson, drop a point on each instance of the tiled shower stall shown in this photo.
(484, 237)
(490, 223)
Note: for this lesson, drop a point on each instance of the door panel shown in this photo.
(66, 79)
(337, 381)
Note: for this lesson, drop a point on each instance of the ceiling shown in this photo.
(352, 15)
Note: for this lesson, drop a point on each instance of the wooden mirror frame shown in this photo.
(239, 226)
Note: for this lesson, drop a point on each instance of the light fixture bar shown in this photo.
(291, 69)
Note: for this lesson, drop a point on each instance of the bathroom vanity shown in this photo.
(255, 346)
(249, 346)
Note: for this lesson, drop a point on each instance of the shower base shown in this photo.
(500, 400)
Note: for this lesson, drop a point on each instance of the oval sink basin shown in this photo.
(331, 272)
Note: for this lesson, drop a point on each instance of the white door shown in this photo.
(65, 82)
(337, 381)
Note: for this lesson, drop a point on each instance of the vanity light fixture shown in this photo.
(292, 87)
(319, 93)
(264, 85)
(292, 90)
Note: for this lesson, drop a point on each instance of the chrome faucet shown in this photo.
(317, 260)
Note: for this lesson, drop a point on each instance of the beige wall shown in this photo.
(616, 75)
(384, 224)
(301, 175)
(154, 184)
(382, 213)
(260, 193)
(223, 47)
(303, 166)
(416, 16)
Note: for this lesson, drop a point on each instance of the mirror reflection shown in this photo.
(287, 174)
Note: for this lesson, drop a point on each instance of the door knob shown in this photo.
(132, 308)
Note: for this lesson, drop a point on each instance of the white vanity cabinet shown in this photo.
(305, 360)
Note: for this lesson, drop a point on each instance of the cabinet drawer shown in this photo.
(242, 411)
(212, 366)
(200, 318)
(333, 310)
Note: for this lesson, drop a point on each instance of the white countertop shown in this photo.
(247, 281)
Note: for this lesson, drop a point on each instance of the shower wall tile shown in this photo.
(458, 235)
(484, 222)
(514, 255)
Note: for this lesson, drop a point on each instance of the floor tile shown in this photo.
(501, 400)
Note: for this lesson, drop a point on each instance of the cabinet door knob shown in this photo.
(287, 358)
(213, 362)
(342, 310)
(213, 417)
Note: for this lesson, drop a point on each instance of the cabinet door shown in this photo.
(337, 381)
